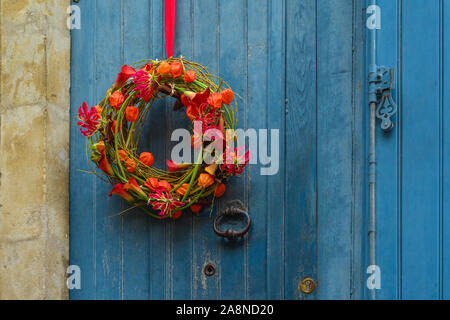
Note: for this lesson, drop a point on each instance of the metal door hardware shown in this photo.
(233, 209)
(381, 84)
(308, 285)
(209, 269)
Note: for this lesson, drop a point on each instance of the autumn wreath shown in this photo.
(113, 128)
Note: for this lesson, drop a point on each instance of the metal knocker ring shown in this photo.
(235, 207)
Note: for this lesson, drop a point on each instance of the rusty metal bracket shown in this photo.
(235, 207)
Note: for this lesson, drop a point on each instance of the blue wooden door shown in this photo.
(297, 66)
(413, 248)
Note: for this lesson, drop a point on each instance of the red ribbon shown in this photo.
(169, 20)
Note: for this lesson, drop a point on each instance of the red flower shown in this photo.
(190, 76)
(120, 191)
(215, 100)
(89, 120)
(103, 164)
(195, 98)
(143, 82)
(126, 73)
(164, 202)
(133, 186)
(116, 99)
(235, 160)
(132, 113)
(154, 184)
(173, 167)
(164, 185)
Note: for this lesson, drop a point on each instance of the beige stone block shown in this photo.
(22, 189)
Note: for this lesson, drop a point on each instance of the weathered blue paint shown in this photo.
(298, 67)
(412, 173)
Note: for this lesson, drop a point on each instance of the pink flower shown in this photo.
(89, 120)
(164, 203)
(143, 82)
(235, 160)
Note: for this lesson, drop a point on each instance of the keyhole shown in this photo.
(307, 285)
(209, 269)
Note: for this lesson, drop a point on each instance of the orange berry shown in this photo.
(190, 76)
(227, 96)
(196, 208)
(182, 189)
(176, 69)
(176, 215)
(146, 158)
(164, 68)
(131, 165)
(132, 113)
(116, 99)
(205, 180)
(123, 155)
(220, 190)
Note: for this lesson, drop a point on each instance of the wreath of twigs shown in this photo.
(114, 127)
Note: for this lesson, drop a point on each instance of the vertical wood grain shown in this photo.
(291, 68)
(420, 150)
(82, 185)
(109, 230)
(301, 147)
(257, 119)
(388, 160)
(206, 245)
(136, 223)
(181, 230)
(445, 142)
(233, 57)
(335, 146)
(276, 120)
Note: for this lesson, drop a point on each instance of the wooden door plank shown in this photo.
(136, 252)
(205, 37)
(156, 141)
(82, 185)
(181, 230)
(276, 190)
(258, 81)
(445, 160)
(388, 159)
(334, 146)
(301, 152)
(233, 68)
(420, 150)
(359, 234)
(109, 230)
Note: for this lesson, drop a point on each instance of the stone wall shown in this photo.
(34, 148)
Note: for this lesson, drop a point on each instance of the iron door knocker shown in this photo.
(235, 207)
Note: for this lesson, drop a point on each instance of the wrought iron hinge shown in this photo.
(381, 84)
